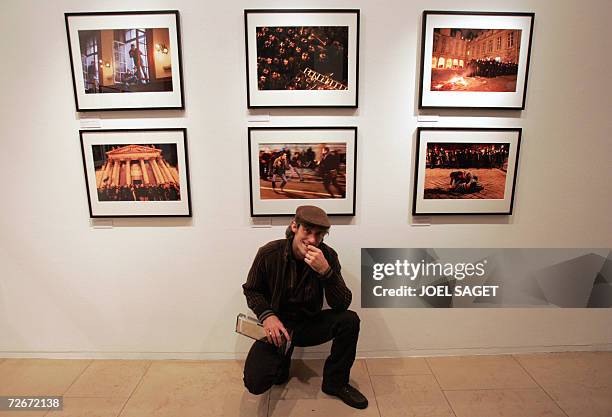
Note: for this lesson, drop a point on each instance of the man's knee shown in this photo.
(260, 367)
(349, 319)
(256, 385)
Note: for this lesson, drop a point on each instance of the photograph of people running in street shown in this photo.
(302, 170)
(466, 170)
(302, 57)
(475, 59)
(137, 172)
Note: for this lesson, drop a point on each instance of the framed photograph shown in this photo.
(136, 173)
(125, 60)
(465, 170)
(475, 59)
(302, 58)
(293, 166)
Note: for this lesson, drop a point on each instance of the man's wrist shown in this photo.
(327, 272)
(265, 315)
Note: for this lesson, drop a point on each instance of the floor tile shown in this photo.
(193, 388)
(89, 407)
(503, 403)
(23, 413)
(229, 368)
(305, 381)
(410, 396)
(300, 388)
(314, 367)
(108, 378)
(479, 372)
(318, 407)
(39, 376)
(587, 369)
(574, 384)
(580, 401)
(307, 367)
(397, 366)
(388, 384)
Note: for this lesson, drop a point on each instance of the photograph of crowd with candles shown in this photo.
(302, 58)
(466, 170)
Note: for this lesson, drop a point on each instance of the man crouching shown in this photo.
(285, 289)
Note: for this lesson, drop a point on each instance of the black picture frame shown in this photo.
(314, 185)
(168, 207)
(302, 98)
(447, 97)
(456, 203)
(155, 95)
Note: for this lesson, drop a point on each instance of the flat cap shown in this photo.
(312, 215)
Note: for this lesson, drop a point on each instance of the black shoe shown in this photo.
(350, 395)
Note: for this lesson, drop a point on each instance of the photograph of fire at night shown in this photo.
(475, 59)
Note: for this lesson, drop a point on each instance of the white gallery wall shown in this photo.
(171, 288)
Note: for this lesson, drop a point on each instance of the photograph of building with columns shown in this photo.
(137, 172)
(126, 60)
(475, 59)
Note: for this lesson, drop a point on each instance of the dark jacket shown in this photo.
(274, 268)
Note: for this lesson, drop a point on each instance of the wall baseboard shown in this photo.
(309, 353)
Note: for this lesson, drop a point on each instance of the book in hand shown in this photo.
(251, 327)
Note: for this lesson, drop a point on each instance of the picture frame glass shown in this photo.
(302, 58)
(465, 171)
(475, 60)
(125, 61)
(136, 173)
(290, 167)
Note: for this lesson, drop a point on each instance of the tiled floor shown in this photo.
(574, 384)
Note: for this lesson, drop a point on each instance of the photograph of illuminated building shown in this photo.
(136, 172)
